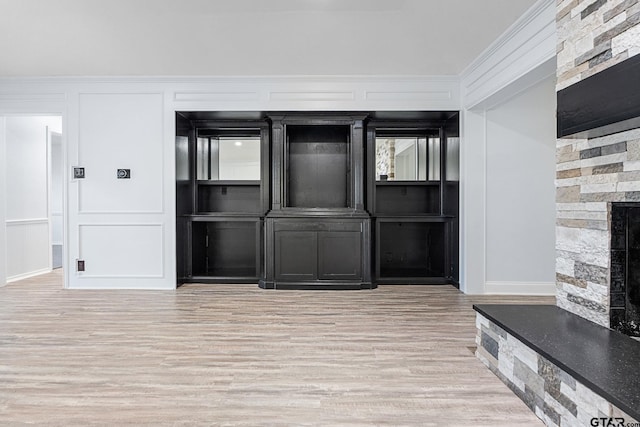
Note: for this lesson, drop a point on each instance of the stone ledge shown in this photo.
(605, 362)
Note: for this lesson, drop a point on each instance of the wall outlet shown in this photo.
(79, 265)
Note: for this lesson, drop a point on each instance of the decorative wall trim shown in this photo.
(80, 160)
(27, 221)
(32, 97)
(520, 288)
(216, 96)
(85, 275)
(28, 275)
(261, 92)
(527, 44)
(312, 96)
(440, 95)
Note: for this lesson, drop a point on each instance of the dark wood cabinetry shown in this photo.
(319, 253)
(328, 201)
(317, 230)
(222, 196)
(413, 172)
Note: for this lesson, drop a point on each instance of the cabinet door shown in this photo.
(296, 255)
(339, 255)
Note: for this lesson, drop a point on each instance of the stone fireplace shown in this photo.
(598, 160)
(568, 370)
(594, 177)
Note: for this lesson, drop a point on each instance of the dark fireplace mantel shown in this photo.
(606, 103)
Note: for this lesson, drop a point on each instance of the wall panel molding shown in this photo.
(32, 97)
(27, 221)
(311, 96)
(260, 92)
(230, 96)
(123, 147)
(125, 250)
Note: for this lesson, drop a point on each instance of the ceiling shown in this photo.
(248, 37)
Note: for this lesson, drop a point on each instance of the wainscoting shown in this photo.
(28, 248)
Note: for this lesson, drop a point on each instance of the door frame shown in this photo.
(34, 110)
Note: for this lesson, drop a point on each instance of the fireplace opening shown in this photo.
(625, 268)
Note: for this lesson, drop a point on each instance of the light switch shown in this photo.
(78, 173)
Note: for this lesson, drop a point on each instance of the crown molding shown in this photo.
(177, 80)
(528, 44)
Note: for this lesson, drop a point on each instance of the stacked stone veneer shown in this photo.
(591, 174)
(592, 35)
(551, 393)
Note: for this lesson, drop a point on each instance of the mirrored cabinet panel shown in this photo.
(407, 159)
(228, 158)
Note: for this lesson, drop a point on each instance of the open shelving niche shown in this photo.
(413, 178)
(317, 233)
(222, 197)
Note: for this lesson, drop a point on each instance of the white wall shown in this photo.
(520, 192)
(57, 177)
(124, 230)
(26, 198)
(520, 58)
(3, 190)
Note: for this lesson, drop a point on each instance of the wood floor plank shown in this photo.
(236, 355)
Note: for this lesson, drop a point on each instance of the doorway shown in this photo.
(33, 195)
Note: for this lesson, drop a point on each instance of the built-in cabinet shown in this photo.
(413, 174)
(222, 193)
(317, 200)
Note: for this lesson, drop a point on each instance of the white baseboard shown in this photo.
(28, 275)
(520, 288)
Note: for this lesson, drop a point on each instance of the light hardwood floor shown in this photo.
(235, 355)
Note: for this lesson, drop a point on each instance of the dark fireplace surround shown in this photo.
(625, 268)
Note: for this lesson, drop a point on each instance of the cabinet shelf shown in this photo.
(413, 218)
(228, 183)
(405, 199)
(220, 216)
(410, 249)
(226, 248)
(408, 183)
(229, 198)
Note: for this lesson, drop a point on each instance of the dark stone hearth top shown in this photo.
(603, 360)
